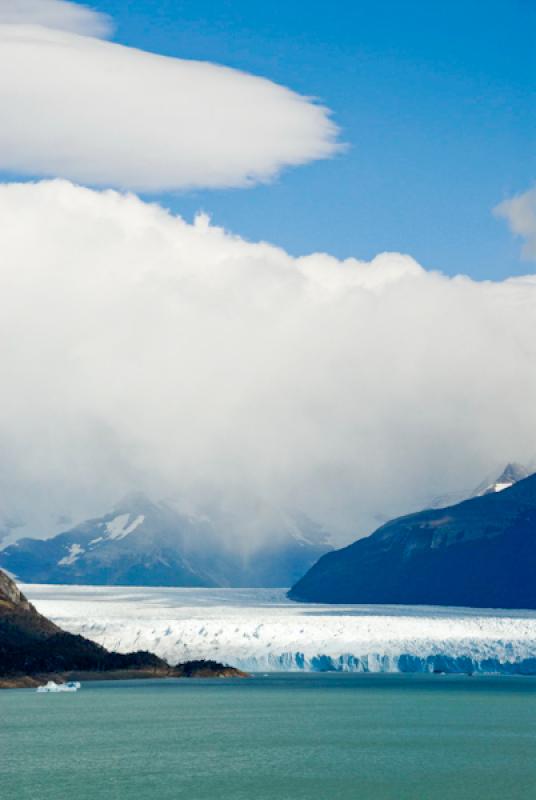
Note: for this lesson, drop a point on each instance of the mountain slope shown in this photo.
(481, 552)
(33, 648)
(142, 543)
(32, 644)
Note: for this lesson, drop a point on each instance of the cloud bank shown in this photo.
(520, 213)
(107, 115)
(138, 351)
(58, 14)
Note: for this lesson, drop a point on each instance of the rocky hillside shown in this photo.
(480, 553)
(31, 646)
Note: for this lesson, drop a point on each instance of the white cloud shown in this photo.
(107, 115)
(520, 213)
(139, 351)
(58, 14)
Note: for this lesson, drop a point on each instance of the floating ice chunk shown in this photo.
(52, 686)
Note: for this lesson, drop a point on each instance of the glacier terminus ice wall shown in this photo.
(259, 630)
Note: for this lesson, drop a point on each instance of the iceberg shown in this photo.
(260, 630)
(52, 686)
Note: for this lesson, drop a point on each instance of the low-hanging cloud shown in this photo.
(138, 351)
(58, 14)
(520, 213)
(103, 114)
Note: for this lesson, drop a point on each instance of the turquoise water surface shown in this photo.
(280, 737)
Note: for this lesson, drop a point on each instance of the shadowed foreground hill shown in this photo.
(32, 648)
(480, 553)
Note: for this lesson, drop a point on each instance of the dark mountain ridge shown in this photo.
(481, 553)
(30, 643)
(32, 648)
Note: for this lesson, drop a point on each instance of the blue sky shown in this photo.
(435, 100)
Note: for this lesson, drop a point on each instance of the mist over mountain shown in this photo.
(494, 482)
(165, 356)
(154, 544)
(481, 552)
(511, 474)
(165, 543)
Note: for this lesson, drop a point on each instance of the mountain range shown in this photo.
(480, 552)
(154, 544)
(427, 557)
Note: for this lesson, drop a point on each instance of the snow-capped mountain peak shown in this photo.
(156, 544)
(511, 474)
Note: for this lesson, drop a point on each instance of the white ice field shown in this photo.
(260, 630)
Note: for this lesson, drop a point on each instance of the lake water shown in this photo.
(281, 737)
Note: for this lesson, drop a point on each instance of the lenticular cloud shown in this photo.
(140, 351)
(103, 114)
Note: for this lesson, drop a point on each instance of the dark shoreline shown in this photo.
(33, 650)
(183, 671)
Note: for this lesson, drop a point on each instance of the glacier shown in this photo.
(260, 630)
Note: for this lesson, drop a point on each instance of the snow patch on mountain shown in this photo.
(118, 528)
(494, 482)
(75, 551)
(511, 474)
